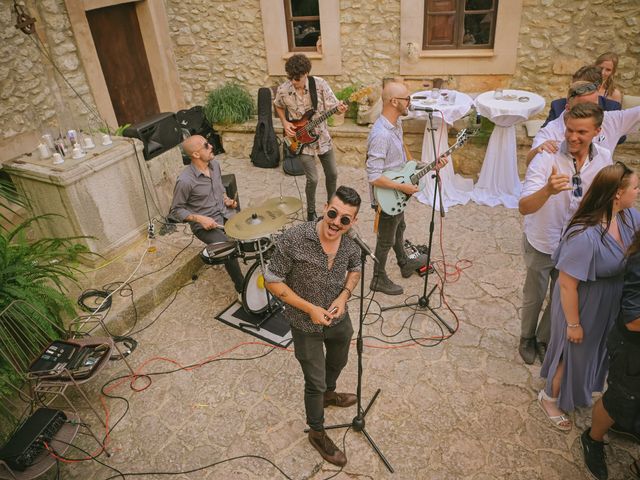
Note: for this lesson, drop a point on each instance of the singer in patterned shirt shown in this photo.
(314, 269)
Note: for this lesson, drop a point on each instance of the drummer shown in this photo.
(200, 199)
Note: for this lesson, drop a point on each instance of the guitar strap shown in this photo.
(313, 91)
(376, 219)
(407, 152)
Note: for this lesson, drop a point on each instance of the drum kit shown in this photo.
(251, 233)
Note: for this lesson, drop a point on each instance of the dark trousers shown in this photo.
(390, 234)
(328, 162)
(231, 265)
(321, 372)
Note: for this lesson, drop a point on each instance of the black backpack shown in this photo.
(194, 121)
(265, 152)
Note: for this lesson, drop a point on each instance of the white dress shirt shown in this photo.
(543, 228)
(615, 124)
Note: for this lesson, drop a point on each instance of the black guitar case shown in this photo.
(265, 152)
(291, 164)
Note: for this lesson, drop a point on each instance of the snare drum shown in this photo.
(219, 252)
(258, 245)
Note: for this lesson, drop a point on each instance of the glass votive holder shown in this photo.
(498, 94)
(435, 93)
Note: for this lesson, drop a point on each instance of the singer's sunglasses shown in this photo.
(344, 219)
(584, 89)
(206, 145)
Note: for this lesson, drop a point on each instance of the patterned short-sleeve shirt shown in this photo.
(300, 262)
(296, 105)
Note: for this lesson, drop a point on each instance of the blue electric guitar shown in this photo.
(393, 201)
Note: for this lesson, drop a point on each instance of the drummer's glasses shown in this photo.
(576, 181)
(406, 99)
(344, 219)
(584, 89)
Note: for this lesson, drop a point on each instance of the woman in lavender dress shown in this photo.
(586, 299)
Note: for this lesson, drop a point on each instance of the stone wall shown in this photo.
(32, 95)
(218, 40)
(558, 37)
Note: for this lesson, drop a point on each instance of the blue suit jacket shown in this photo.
(559, 105)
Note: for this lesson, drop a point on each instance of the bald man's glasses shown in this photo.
(406, 99)
(206, 145)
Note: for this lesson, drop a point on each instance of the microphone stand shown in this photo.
(423, 301)
(358, 422)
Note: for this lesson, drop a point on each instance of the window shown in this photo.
(303, 24)
(459, 24)
(279, 25)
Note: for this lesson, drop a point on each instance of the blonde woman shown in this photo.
(608, 62)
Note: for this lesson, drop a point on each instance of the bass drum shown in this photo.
(254, 293)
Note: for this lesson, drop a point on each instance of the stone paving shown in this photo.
(463, 408)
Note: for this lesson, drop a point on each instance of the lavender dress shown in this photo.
(599, 267)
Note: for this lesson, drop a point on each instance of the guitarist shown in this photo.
(293, 99)
(385, 151)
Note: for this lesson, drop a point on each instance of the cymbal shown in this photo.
(255, 222)
(288, 205)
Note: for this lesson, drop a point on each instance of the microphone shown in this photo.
(353, 235)
(420, 108)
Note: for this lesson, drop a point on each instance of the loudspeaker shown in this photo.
(158, 133)
(231, 187)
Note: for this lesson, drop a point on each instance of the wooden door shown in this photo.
(116, 35)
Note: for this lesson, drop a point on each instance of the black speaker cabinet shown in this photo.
(158, 134)
(231, 187)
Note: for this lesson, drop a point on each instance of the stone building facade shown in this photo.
(212, 41)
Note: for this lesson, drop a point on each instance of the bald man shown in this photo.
(200, 199)
(385, 151)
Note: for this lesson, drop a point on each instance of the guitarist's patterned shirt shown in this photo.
(300, 262)
(296, 105)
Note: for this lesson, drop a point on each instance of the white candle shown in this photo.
(44, 151)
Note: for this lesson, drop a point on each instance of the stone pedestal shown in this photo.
(100, 197)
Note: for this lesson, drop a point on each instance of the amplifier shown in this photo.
(27, 443)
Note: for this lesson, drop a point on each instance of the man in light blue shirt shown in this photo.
(385, 151)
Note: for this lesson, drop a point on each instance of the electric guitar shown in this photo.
(305, 127)
(394, 201)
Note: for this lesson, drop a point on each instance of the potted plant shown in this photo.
(228, 104)
(33, 271)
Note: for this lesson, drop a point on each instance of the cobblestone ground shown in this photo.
(463, 408)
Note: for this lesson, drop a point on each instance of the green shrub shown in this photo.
(229, 104)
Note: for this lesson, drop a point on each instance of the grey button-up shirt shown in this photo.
(300, 263)
(385, 150)
(195, 193)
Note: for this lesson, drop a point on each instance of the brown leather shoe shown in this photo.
(326, 447)
(339, 399)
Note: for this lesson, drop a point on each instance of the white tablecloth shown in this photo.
(499, 182)
(456, 190)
